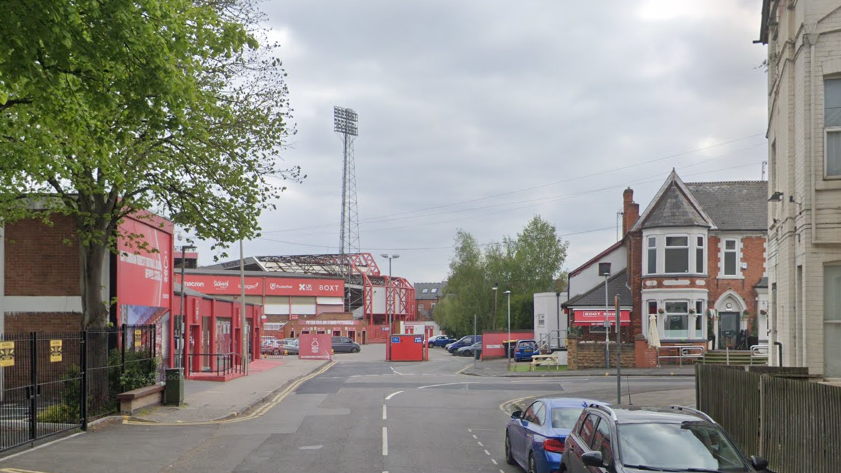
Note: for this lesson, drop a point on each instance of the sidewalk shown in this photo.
(499, 367)
(206, 401)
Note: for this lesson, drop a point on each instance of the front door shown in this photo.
(728, 329)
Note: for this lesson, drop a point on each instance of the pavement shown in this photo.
(499, 367)
(208, 401)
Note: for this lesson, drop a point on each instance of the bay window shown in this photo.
(652, 255)
(832, 128)
(699, 255)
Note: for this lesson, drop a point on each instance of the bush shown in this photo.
(139, 371)
(59, 413)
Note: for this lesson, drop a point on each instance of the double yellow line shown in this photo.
(251, 415)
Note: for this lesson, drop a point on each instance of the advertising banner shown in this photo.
(313, 346)
(597, 317)
(144, 262)
(256, 286)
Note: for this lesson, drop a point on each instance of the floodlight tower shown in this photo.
(344, 123)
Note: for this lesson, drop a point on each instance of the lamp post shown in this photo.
(183, 358)
(243, 320)
(604, 270)
(389, 296)
(496, 286)
(508, 347)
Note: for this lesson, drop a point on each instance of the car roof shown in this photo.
(656, 415)
(554, 402)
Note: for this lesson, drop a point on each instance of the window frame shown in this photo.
(826, 132)
(686, 248)
(700, 254)
(736, 256)
(651, 251)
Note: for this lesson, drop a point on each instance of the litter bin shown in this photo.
(174, 387)
(478, 353)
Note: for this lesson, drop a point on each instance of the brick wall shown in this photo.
(37, 262)
(43, 323)
(584, 354)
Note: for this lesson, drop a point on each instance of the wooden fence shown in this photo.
(794, 423)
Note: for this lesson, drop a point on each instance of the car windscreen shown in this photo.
(527, 345)
(678, 446)
(565, 417)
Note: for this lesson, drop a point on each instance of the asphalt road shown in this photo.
(363, 415)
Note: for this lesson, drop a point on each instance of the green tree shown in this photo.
(526, 265)
(108, 108)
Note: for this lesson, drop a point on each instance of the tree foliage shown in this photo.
(526, 265)
(109, 108)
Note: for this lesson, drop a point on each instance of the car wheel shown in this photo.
(354, 350)
(532, 466)
(509, 457)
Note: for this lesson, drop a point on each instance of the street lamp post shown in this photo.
(508, 347)
(604, 270)
(243, 321)
(389, 296)
(183, 358)
(496, 286)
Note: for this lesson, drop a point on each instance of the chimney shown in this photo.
(630, 210)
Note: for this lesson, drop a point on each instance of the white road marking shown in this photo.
(445, 384)
(395, 371)
(388, 398)
(385, 441)
(495, 463)
(480, 444)
(385, 416)
(487, 453)
(475, 437)
(310, 447)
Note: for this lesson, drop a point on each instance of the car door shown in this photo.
(579, 443)
(602, 442)
(518, 433)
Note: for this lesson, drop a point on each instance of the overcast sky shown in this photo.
(478, 115)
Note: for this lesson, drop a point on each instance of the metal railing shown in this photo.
(54, 382)
(218, 363)
(680, 353)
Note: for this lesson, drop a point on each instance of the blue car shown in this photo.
(524, 350)
(440, 341)
(534, 438)
(465, 341)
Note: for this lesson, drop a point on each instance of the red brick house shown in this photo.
(696, 262)
(427, 295)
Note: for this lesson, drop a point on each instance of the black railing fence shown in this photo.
(217, 363)
(54, 382)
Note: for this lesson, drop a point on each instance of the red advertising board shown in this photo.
(257, 286)
(596, 317)
(313, 346)
(144, 263)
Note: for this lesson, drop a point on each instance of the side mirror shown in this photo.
(593, 459)
(758, 463)
(516, 414)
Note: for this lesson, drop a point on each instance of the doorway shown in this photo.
(728, 329)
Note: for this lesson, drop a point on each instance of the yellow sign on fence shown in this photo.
(55, 351)
(7, 354)
(138, 335)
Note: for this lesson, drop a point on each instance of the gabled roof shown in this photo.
(728, 206)
(616, 284)
(673, 206)
(429, 290)
(596, 258)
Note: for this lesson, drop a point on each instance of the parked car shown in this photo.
(290, 346)
(469, 350)
(443, 342)
(534, 438)
(271, 347)
(346, 345)
(675, 439)
(434, 338)
(463, 342)
(524, 349)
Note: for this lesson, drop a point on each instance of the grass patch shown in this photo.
(522, 367)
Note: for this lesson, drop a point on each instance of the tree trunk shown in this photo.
(94, 310)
